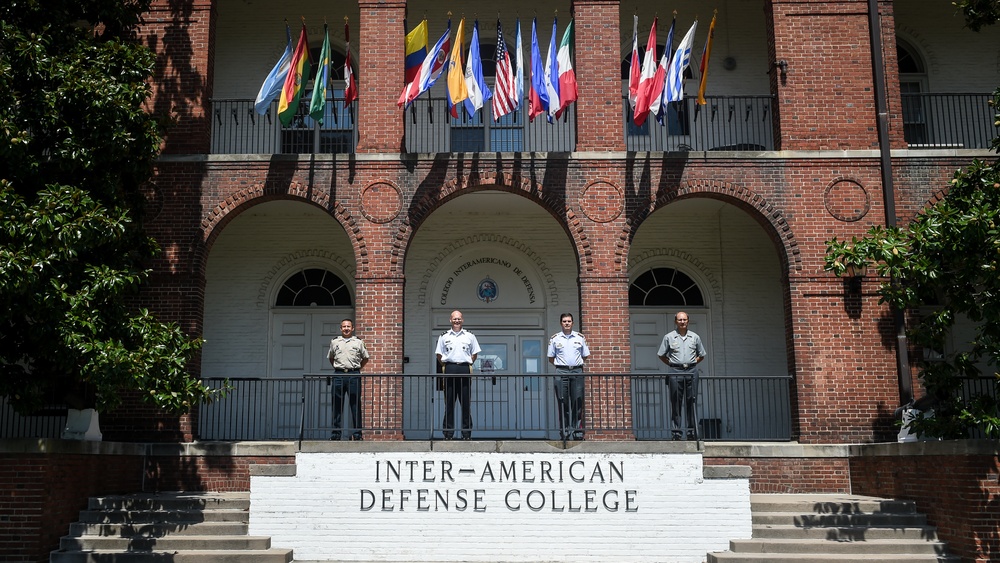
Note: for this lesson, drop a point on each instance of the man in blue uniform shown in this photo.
(456, 351)
(567, 351)
(682, 350)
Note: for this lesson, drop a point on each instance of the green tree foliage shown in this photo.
(979, 13)
(947, 263)
(76, 147)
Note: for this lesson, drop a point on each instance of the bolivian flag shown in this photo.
(298, 75)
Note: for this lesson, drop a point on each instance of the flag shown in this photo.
(567, 77)
(457, 91)
(519, 77)
(705, 55)
(552, 76)
(475, 84)
(660, 79)
(536, 91)
(633, 69)
(271, 87)
(430, 70)
(505, 96)
(298, 75)
(674, 89)
(416, 51)
(642, 96)
(317, 106)
(350, 81)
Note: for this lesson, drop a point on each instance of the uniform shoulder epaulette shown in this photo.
(582, 336)
(553, 337)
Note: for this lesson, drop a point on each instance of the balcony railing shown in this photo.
(725, 123)
(948, 121)
(238, 129)
(431, 129)
(510, 407)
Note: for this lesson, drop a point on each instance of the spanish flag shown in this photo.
(298, 75)
(705, 55)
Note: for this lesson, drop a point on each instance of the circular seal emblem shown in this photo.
(602, 202)
(847, 200)
(381, 202)
(487, 290)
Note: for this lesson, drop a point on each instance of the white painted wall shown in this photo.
(674, 514)
(254, 254)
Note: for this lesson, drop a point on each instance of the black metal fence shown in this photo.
(238, 129)
(724, 123)
(511, 407)
(948, 121)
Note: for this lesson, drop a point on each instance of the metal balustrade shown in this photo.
(725, 123)
(431, 129)
(509, 407)
(948, 121)
(238, 129)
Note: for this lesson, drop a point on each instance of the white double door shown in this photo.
(300, 342)
(511, 398)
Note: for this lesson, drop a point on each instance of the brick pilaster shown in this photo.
(379, 319)
(380, 59)
(598, 73)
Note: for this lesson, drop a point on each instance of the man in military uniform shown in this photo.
(682, 350)
(567, 352)
(347, 355)
(456, 351)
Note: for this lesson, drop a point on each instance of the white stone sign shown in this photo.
(479, 506)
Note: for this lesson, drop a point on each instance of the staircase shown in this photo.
(838, 528)
(176, 527)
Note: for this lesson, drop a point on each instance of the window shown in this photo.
(313, 287)
(912, 77)
(336, 134)
(665, 287)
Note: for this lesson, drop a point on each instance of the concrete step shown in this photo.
(868, 547)
(171, 501)
(828, 504)
(837, 520)
(730, 557)
(158, 516)
(159, 529)
(273, 555)
(846, 533)
(176, 543)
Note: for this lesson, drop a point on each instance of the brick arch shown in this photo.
(763, 211)
(423, 205)
(235, 203)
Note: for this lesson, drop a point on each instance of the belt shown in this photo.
(456, 363)
(682, 366)
(341, 370)
(569, 367)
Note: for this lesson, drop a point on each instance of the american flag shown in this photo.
(505, 91)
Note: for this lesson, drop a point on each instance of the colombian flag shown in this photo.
(416, 50)
(298, 75)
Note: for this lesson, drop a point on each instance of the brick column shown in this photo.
(600, 126)
(825, 95)
(379, 320)
(182, 34)
(380, 68)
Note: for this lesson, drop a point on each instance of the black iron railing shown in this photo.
(724, 123)
(431, 129)
(511, 407)
(948, 121)
(238, 129)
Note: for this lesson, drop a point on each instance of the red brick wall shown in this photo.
(957, 492)
(793, 475)
(182, 34)
(599, 103)
(825, 97)
(380, 57)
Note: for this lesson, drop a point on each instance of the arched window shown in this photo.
(912, 81)
(665, 287)
(313, 287)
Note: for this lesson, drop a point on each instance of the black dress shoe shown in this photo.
(357, 438)
(675, 436)
(466, 435)
(448, 435)
(335, 436)
(578, 435)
